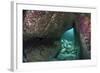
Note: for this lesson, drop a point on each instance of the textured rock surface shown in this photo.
(45, 24)
(83, 26)
(43, 49)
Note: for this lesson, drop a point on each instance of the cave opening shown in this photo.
(69, 50)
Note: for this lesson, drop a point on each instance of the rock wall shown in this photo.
(45, 23)
(83, 27)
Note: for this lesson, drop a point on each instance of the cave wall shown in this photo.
(45, 23)
(83, 28)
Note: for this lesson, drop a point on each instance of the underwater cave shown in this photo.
(55, 36)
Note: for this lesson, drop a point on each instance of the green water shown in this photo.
(69, 51)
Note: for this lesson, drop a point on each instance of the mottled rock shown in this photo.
(45, 23)
(83, 27)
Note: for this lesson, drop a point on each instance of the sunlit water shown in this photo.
(68, 49)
